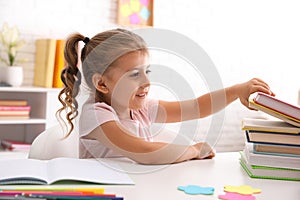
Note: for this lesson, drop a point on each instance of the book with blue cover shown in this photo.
(267, 160)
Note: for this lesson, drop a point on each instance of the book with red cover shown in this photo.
(14, 112)
(277, 108)
(15, 145)
(14, 108)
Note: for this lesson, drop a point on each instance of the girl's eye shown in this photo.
(135, 74)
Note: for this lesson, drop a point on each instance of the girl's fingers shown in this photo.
(262, 86)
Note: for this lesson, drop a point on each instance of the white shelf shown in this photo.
(44, 104)
(23, 121)
(28, 89)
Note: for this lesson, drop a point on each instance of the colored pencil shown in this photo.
(82, 189)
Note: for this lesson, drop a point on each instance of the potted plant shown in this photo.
(10, 43)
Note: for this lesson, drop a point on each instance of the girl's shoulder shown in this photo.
(103, 106)
(90, 105)
(94, 114)
(102, 109)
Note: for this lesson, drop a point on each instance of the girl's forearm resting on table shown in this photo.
(112, 136)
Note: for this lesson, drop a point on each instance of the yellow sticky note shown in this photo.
(135, 6)
(125, 10)
(243, 189)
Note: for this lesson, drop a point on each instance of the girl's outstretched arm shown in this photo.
(114, 136)
(210, 103)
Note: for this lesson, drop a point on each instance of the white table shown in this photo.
(161, 182)
(223, 170)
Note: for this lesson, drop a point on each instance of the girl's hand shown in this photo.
(244, 90)
(204, 151)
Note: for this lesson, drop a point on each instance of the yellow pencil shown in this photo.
(81, 189)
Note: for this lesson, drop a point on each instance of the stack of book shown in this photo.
(14, 109)
(272, 149)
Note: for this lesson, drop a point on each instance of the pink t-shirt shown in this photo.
(95, 114)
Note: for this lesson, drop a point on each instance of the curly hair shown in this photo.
(97, 56)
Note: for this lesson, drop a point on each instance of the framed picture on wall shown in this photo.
(135, 12)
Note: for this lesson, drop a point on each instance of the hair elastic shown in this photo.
(86, 40)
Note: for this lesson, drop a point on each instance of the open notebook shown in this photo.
(31, 171)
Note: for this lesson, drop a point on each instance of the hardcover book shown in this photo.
(12, 102)
(44, 62)
(14, 108)
(276, 149)
(59, 64)
(266, 172)
(277, 108)
(277, 161)
(269, 125)
(265, 137)
(278, 105)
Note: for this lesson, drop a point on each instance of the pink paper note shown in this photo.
(134, 19)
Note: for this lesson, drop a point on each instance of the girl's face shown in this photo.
(127, 81)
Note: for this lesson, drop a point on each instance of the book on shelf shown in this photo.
(265, 137)
(49, 62)
(8, 102)
(276, 108)
(14, 108)
(274, 160)
(268, 172)
(14, 145)
(44, 62)
(14, 112)
(59, 64)
(268, 125)
(276, 149)
(59, 170)
(14, 117)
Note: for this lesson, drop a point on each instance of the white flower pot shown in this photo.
(12, 75)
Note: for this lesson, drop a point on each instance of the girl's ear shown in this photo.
(99, 83)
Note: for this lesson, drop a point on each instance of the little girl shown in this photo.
(117, 116)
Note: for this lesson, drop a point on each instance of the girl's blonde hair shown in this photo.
(98, 54)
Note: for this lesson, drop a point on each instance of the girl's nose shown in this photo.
(145, 87)
(145, 82)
